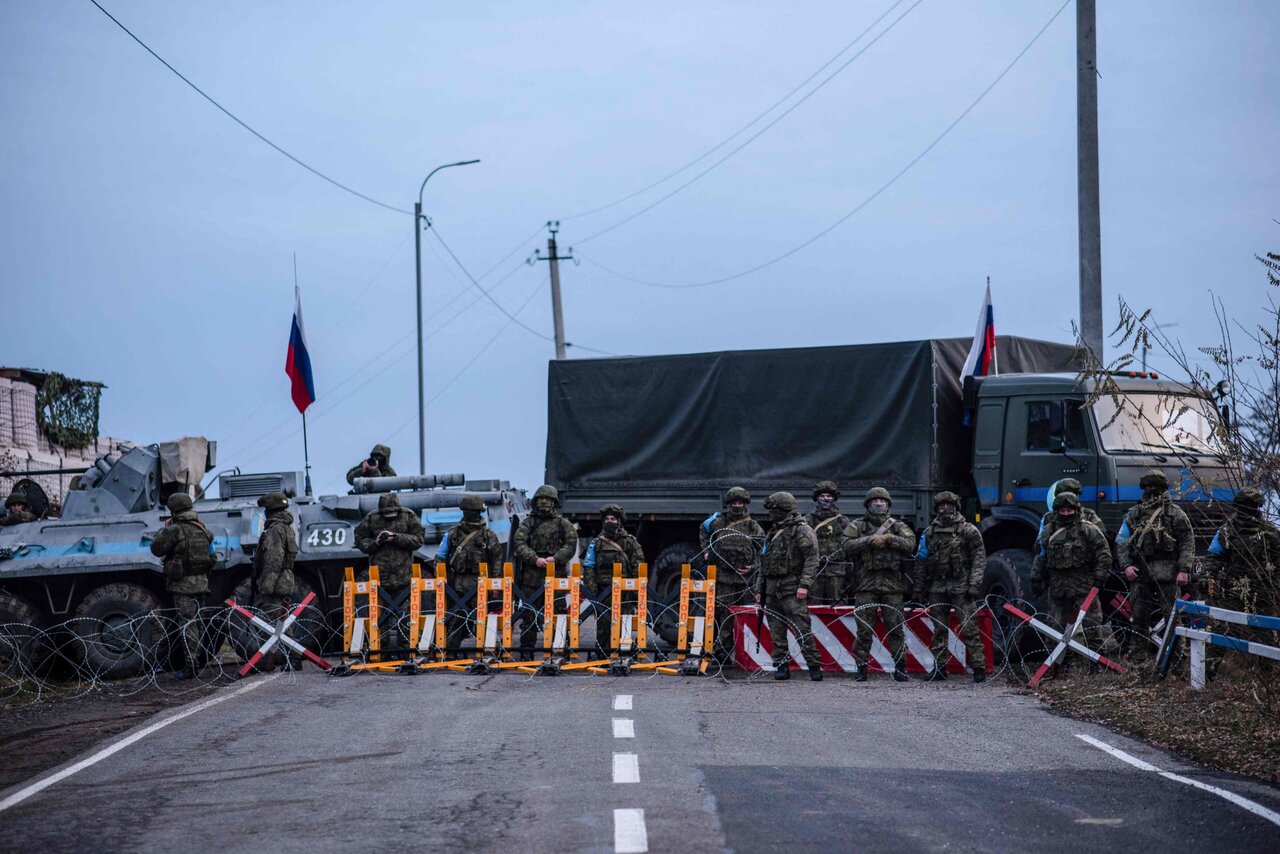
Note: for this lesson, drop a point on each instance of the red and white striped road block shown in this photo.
(276, 634)
(835, 631)
(1066, 640)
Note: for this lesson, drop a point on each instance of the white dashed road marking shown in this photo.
(629, 835)
(624, 728)
(626, 768)
(622, 703)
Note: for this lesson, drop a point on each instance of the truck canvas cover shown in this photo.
(889, 413)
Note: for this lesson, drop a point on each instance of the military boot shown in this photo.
(783, 673)
(937, 674)
(899, 675)
(861, 675)
(815, 674)
(979, 675)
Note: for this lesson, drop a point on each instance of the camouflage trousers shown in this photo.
(942, 604)
(727, 596)
(531, 582)
(785, 612)
(190, 628)
(827, 589)
(459, 617)
(1146, 595)
(1063, 611)
(604, 616)
(890, 614)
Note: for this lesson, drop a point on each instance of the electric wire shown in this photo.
(487, 296)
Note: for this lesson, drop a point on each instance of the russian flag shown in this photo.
(298, 363)
(981, 361)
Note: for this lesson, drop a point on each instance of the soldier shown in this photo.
(613, 545)
(730, 539)
(828, 524)
(389, 536)
(377, 464)
(465, 546)
(878, 542)
(788, 566)
(1087, 514)
(18, 513)
(1243, 560)
(955, 560)
(1159, 531)
(1071, 558)
(185, 545)
(544, 535)
(273, 582)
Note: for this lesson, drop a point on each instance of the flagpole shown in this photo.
(306, 453)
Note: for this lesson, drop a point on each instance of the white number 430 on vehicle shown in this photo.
(322, 537)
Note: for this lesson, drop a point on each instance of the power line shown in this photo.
(755, 135)
(824, 232)
(487, 296)
(745, 127)
(242, 124)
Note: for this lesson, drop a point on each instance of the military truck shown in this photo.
(666, 435)
(94, 561)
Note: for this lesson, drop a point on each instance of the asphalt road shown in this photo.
(506, 762)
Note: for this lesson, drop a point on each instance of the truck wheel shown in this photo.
(1006, 579)
(664, 588)
(117, 633)
(23, 643)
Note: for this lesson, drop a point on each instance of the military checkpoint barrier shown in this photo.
(1066, 639)
(1200, 638)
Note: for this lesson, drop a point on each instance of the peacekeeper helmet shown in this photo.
(179, 502)
(547, 491)
(473, 503)
(388, 501)
(736, 493)
(1066, 499)
(614, 510)
(15, 497)
(274, 501)
(781, 501)
(1154, 478)
(1068, 484)
(1248, 498)
(947, 498)
(877, 492)
(827, 486)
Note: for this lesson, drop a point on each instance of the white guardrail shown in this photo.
(1200, 637)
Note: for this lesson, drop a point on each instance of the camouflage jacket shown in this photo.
(1161, 531)
(185, 545)
(954, 557)
(730, 545)
(1070, 559)
(790, 556)
(829, 529)
(878, 570)
(394, 559)
(550, 536)
(17, 517)
(467, 545)
(273, 559)
(1244, 557)
(1087, 515)
(603, 552)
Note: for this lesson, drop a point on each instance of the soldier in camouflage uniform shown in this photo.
(1242, 565)
(877, 543)
(1161, 532)
(273, 582)
(1071, 558)
(184, 543)
(389, 536)
(788, 566)
(544, 535)
(612, 545)
(18, 513)
(955, 561)
(465, 546)
(377, 464)
(828, 525)
(730, 540)
(1087, 514)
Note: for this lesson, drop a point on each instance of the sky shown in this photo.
(147, 240)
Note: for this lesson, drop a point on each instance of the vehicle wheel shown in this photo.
(117, 632)
(1007, 579)
(664, 588)
(23, 642)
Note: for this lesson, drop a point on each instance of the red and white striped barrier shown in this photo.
(1066, 640)
(835, 631)
(276, 634)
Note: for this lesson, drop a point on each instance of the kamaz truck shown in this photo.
(91, 571)
(665, 436)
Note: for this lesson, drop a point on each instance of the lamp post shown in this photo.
(417, 252)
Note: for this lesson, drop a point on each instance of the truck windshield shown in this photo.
(1156, 422)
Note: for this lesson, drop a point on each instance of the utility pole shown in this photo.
(556, 312)
(1089, 215)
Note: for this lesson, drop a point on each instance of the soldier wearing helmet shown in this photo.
(389, 536)
(273, 581)
(18, 513)
(1087, 514)
(1071, 558)
(788, 567)
(1160, 532)
(955, 560)
(877, 544)
(544, 536)
(730, 540)
(613, 545)
(828, 525)
(464, 549)
(377, 464)
(1242, 564)
(186, 547)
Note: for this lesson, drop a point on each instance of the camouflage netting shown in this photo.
(67, 410)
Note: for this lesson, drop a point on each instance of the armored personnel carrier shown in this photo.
(91, 569)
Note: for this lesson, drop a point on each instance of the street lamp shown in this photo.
(417, 250)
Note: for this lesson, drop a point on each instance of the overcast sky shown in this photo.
(146, 240)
